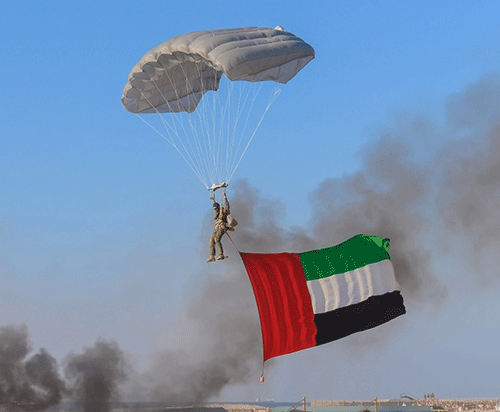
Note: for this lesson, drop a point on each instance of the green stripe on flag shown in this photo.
(356, 252)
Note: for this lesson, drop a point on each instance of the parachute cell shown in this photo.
(173, 76)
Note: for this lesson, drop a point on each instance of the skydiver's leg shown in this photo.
(219, 234)
(212, 248)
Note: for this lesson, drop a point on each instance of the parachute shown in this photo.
(212, 134)
(312, 298)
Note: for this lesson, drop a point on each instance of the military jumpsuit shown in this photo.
(220, 218)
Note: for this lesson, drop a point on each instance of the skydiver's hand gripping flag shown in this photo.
(311, 298)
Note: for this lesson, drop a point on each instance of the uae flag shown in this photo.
(311, 298)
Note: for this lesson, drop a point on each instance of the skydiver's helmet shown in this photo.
(216, 206)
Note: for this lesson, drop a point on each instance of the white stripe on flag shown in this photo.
(352, 287)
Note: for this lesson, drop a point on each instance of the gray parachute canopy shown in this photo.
(174, 76)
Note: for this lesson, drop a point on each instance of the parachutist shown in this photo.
(223, 222)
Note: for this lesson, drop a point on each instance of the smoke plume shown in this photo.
(28, 383)
(94, 375)
(430, 189)
(34, 383)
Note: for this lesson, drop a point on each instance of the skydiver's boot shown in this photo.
(221, 257)
(211, 259)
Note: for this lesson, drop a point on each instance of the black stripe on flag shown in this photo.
(355, 318)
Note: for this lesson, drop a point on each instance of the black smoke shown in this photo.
(432, 189)
(94, 375)
(29, 383)
(33, 383)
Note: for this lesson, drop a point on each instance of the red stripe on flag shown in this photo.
(283, 300)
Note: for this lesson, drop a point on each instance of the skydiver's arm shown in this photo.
(227, 203)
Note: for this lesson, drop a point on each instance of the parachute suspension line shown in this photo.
(212, 139)
(186, 155)
(221, 120)
(231, 137)
(202, 149)
(205, 141)
(212, 135)
(211, 120)
(198, 144)
(215, 146)
(198, 161)
(231, 167)
(210, 132)
(274, 96)
(229, 134)
(189, 164)
(194, 143)
(167, 126)
(226, 115)
(171, 141)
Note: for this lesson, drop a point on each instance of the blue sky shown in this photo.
(103, 227)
